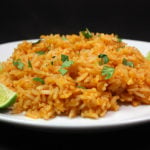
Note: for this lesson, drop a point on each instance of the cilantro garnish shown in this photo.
(29, 64)
(108, 72)
(104, 59)
(18, 64)
(127, 63)
(63, 71)
(118, 38)
(64, 38)
(64, 58)
(82, 87)
(52, 63)
(37, 79)
(40, 52)
(66, 63)
(87, 34)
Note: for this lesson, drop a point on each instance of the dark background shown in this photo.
(24, 19)
(27, 19)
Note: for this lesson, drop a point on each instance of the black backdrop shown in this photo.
(24, 19)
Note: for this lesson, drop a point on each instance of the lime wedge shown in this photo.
(148, 56)
(1, 67)
(7, 96)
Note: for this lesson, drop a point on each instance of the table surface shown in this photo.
(17, 137)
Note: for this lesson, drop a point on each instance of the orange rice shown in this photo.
(64, 94)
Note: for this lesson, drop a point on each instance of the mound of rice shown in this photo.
(47, 88)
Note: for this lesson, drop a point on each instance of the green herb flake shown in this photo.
(52, 63)
(67, 63)
(82, 87)
(64, 58)
(99, 35)
(87, 34)
(63, 71)
(104, 59)
(37, 79)
(29, 64)
(40, 52)
(118, 38)
(64, 38)
(18, 64)
(127, 63)
(107, 72)
(37, 42)
(53, 56)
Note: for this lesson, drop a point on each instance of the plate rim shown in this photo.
(78, 127)
(120, 124)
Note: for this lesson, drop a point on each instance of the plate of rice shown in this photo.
(83, 80)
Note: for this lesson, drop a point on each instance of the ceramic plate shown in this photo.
(127, 115)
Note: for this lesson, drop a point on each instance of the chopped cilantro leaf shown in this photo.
(127, 63)
(63, 71)
(67, 63)
(107, 72)
(87, 34)
(40, 52)
(29, 64)
(37, 79)
(118, 38)
(64, 58)
(64, 38)
(82, 87)
(104, 59)
(18, 64)
(52, 63)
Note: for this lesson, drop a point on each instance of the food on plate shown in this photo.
(7, 96)
(83, 75)
(148, 56)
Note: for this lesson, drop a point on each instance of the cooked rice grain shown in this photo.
(83, 91)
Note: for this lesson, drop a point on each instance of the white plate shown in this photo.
(127, 115)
